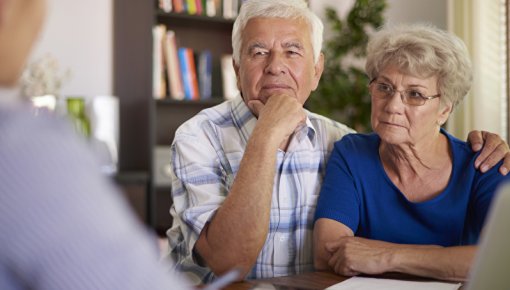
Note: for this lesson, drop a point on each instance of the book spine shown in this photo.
(198, 4)
(227, 9)
(186, 81)
(192, 7)
(205, 74)
(158, 75)
(178, 6)
(210, 9)
(173, 67)
(192, 70)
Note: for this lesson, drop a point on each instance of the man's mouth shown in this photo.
(275, 87)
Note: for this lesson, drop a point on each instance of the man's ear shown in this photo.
(318, 69)
(236, 69)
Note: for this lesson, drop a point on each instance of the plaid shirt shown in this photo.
(206, 154)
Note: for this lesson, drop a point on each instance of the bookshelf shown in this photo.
(145, 122)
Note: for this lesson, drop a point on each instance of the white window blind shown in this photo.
(482, 25)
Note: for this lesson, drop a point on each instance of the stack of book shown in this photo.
(212, 8)
(180, 73)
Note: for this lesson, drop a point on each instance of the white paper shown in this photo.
(362, 283)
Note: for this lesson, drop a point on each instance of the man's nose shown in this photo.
(275, 64)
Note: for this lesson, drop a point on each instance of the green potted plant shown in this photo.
(342, 93)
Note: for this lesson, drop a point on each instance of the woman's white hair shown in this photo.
(423, 50)
(286, 9)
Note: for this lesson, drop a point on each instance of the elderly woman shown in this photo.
(406, 198)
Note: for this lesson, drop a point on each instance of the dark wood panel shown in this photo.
(144, 122)
(133, 21)
(170, 117)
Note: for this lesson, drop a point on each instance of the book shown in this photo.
(228, 77)
(235, 8)
(205, 74)
(210, 8)
(178, 6)
(174, 78)
(191, 7)
(230, 8)
(189, 74)
(227, 9)
(165, 5)
(158, 74)
(198, 4)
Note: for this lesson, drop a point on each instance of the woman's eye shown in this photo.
(384, 87)
(415, 94)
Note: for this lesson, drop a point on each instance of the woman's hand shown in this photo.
(351, 256)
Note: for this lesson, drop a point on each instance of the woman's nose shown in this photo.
(395, 103)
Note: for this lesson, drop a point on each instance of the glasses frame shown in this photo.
(401, 93)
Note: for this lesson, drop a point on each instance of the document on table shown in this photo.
(362, 283)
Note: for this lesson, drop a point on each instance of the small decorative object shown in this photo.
(42, 80)
(104, 120)
(76, 111)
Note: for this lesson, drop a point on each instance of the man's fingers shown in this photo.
(491, 142)
(506, 165)
(492, 158)
(476, 140)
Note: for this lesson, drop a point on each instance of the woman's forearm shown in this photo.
(443, 263)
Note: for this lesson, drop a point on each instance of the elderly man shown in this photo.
(247, 173)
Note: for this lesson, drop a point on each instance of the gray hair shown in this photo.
(423, 50)
(287, 9)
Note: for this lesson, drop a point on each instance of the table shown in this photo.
(313, 281)
(308, 281)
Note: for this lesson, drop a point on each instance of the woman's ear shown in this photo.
(444, 113)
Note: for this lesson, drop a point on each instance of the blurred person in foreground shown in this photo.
(63, 224)
(246, 174)
(406, 198)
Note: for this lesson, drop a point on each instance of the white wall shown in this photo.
(79, 34)
(408, 11)
(398, 11)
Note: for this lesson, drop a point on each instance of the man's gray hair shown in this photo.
(423, 50)
(286, 9)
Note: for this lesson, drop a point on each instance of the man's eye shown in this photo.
(260, 53)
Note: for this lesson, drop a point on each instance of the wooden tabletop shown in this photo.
(304, 281)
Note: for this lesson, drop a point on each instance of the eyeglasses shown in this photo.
(410, 97)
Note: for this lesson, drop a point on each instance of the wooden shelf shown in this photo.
(161, 15)
(146, 123)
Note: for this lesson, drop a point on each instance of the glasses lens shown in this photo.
(383, 90)
(413, 98)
